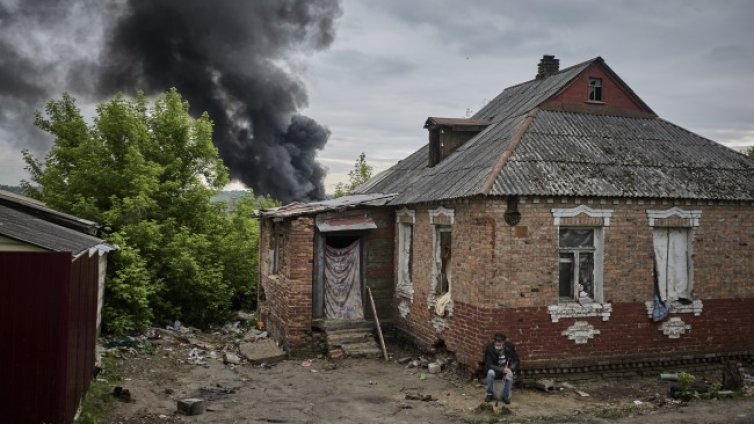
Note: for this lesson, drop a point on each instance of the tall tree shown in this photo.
(147, 173)
(360, 174)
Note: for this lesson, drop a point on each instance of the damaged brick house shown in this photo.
(565, 213)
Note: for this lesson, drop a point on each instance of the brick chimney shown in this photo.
(547, 66)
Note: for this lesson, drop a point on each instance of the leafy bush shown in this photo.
(148, 172)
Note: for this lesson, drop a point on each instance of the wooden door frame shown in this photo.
(318, 282)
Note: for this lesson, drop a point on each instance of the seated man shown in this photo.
(500, 361)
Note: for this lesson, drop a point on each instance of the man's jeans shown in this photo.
(507, 383)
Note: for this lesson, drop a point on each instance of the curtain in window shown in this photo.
(673, 264)
(343, 282)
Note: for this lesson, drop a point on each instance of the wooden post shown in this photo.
(377, 321)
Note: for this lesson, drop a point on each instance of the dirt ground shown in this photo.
(318, 390)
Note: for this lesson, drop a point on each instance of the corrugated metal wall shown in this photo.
(47, 334)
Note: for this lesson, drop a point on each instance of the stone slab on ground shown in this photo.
(262, 351)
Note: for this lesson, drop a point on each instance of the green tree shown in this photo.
(360, 174)
(147, 173)
(750, 152)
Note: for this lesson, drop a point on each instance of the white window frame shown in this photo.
(440, 225)
(595, 86)
(689, 221)
(571, 308)
(405, 220)
(594, 250)
(439, 230)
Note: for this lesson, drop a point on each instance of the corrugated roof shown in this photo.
(22, 226)
(31, 221)
(338, 203)
(455, 121)
(520, 99)
(463, 173)
(578, 154)
(572, 154)
(37, 208)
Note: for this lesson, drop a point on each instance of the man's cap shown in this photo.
(500, 337)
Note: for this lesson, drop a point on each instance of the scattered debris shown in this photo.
(191, 406)
(262, 351)
(122, 394)
(582, 393)
(732, 378)
(434, 368)
(404, 360)
(419, 396)
(545, 385)
(231, 358)
(669, 376)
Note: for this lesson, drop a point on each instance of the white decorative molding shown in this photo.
(434, 213)
(677, 307)
(403, 308)
(405, 291)
(439, 324)
(580, 332)
(692, 215)
(405, 213)
(674, 328)
(605, 214)
(576, 310)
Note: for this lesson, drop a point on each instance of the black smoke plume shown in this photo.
(231, 58)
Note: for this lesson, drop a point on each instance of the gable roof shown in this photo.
(528, 151)
(30, 221)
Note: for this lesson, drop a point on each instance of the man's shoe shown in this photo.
(507, 401)
(488, 398)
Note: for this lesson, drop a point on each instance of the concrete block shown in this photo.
(191, 406)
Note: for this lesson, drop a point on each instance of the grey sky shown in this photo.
(394, 63)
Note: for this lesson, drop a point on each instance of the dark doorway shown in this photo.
(341, 241)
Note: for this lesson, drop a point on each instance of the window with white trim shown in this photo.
(673, 263)
(443, 254)
(441, 284)
(672, 240)
(576, 264)
(404, 286)
(580, 256)
(595, 90)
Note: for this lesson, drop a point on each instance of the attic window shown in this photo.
(595, 90)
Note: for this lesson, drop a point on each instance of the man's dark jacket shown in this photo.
(492, 357)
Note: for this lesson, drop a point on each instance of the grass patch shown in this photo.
(99, 400)
(612, 414)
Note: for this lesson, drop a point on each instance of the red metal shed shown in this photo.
(51, 270)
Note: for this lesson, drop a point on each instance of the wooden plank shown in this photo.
(377, 321)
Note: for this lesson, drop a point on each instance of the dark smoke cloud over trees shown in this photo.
(234, 59)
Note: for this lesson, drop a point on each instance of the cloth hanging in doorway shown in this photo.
(343, 282)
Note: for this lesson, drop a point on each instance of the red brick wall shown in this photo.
(287, 307)
(505, 277)
(613, 97)
(379, 271)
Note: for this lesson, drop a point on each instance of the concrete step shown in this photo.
(346, 324)
(349, 337)
(362, 350)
